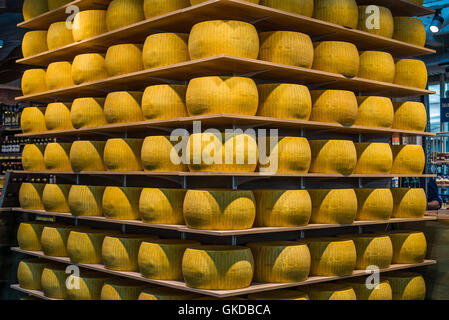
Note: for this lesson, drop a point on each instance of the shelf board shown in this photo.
(34, 293)
(400, 7)
(253, 288)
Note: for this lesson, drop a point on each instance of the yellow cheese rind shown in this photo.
(377, 65)
(289, 154)
(86, 201)
(372, 250)
(53, 281)
(54, 240)
(59, 75)
(411, 73)
(408, 246)
(33, 157)
(337, 57)
(87, 155)
(410, 30)
(164, 293)
(30, 196)
(164, 102)
(87, 112)
(386, 22)
(85, 246)
(123, 106)
(337, 206)
(55, 198)
(34, 42)
(88, 24)
(57, 116)
(342, 12)
(374, 204)
(90, 285)
(162, 206)
(375, 112)
(158, 154)
(123, 58)
(122, 13)
(123, 155)
(121, 203)
(57, 157)
(335, 106)
(154, 8)
(409, 203)
(373, 158)
(34, 8)
(301, 7)
(382, 291)
(29, 235)
(121, 289)
(33, 81)
(331, 291)
(408, 159)
(163, 49)
(59, 35)
(406, 285)
(54, 4)
(29, 273)
(410, 115)
(33, 120)
(333, 156)
(283, 294)
(88, 67)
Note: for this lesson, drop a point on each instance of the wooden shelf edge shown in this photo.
(34, 293)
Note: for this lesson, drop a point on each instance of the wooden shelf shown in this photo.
(255, 287)
(34, 293)
(400, 7)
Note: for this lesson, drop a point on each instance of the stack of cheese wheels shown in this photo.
(29, 235)
(410, 30)
(55, 198)
(210, 38)
(84, 246)
(164, 101)
(382, 291)
(377, 65)
(162, 49)
(219, 209)
(120, 252)
(372, 250)
(159, 154)
(218, 267)
(154, 8)
(285, 101)
(33, 157)
(162, 259)
(33, 120)
(90, 285)
(342, 12)
(374, 204)
(331, 291)
(87, 112)
(57, 156)
(121, 13)
(208, 95)
(123, 58)
(54, 4)
(87, 155)
(408, 246)
(332, 256)
(337, 57)
(375, 112)
(59, 35)
(284, 294)
(333, 156)
(408, 159)
(34, 42)
(301, 7)
(373, 158)
(53, 281)
(121, 203)
(385, 26)
(88, 67)
(162, 206)
(86, 201)
(30, 196)
(411, 73)
(164, 293)
(54, 240)
(409, 203)
(280, 261)
(123, 155)
(282, 208)
(33, 81)
(286, 47)
(59, 75)
(57, 116)
(29, 273)
(123, 106)
(121, 289)
(88, 24)
(34, 8)
(336, 206)
(338, 106)
(410, 115)
(406, 285)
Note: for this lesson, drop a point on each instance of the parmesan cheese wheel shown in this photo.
(123, 155)
(121, 203)
(162, 206)
(408, 246)
(301, 7)
(164, 102)
(382, 291)
(406, 285)
(54, 4)
(409, 203)
(59, 75)
(411, 73)
(121, 289)
(154, 8)
(219, 209)
(123, 58)
(57, 116)
(54, 240)
(367, 21)
(337, 57)
(53, 281)
(86, 201)
(162, 259)
(88, 67)
(123, 106)
(218, 267)
(194, 2)
(30, 196)
(90, 285)
(374, 204)
(87, 112)
(280, 261)
(29, 235)
(87, 156)
(163, 49)
(377, 65)
(408, 159)
(33, 81)
(282, 208)
(55, 198)
(279, 295)
(286, 47)
(410, 30)
(164, 293)
(338, 206)
(33, 157)
(373, 158)
(331, 291)
(332, 256)
(375, 112)
(29, 273)
(208, 95)
(410, 115)
(373, 250)
(57, 158)
(59, 35)
(210, 38)
(34, 42)
(333, 156)
(88, 24)
(342, 12)
(85, 246)
(122, 13)
(335, 106)
(34, 8)
(33, 120)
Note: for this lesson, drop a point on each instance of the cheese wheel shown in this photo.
(236, 38)
(373, 158)
(218, 267)
(283, 208)
(54, 4)
(121, 289)
(57, 157)
(338, 206)
(34, 42)
(29, 235)
(382, 291)
(301, 7)
(408, 159)
(408, 246)
(208, 95)
(29, 273)
(86, 201)
(342, 12)
(337, 57)
(55, 198)
(410, 115)
(335, 106)
(30, 196)
(374, 204)
(411, 73)
(90, 285)
(410, 30)
(123, 58)
(409, 203)
(87, 155)
(377, 65)
(88, 24)
(164, 293)
(121, 203)
(280, 261)
(123, 106)
(194, 2)
(331, 291)
(33, 120)
(57, 116)
(163, 49)
(53, 281)
(33, 81)
(123, 155)
(164, 102)
(368, 21)
(406, 285)
(372, 250)
(59, 75)
(54, 240)
(59, 35)
(159, 154)
(34, 8)
(122, 13)
(284, 294)
(85, 246)
(33, 157)
(154, 8)
(162, 206)
(375, 112)
(162, 259)
(286, 47)
(333, 156)
(87, 112)
(88, 67)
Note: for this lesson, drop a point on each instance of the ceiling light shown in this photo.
(437, 22)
